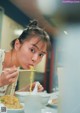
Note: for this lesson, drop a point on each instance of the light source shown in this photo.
(47, 7)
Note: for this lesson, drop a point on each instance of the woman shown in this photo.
(27, 50)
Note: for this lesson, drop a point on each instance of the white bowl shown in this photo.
(22, 96)
(16, 110)
(45, 98)
(35, 102)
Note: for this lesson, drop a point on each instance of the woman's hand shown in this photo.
(8, 76)
(40, 87)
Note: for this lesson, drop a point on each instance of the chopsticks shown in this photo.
(22, 70)
(13, 88)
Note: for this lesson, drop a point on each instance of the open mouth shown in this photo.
(30, 65)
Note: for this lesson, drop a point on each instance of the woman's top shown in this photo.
(2, 88)
(7, 89)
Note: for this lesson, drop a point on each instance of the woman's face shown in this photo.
(30, 53)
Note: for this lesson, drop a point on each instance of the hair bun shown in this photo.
(33, 23)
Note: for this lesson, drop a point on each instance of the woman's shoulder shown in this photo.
(2, 50)
(2, 54)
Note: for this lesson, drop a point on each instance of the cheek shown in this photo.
(24, 55)
(38, 61)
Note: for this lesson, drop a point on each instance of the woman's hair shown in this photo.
(31, 31)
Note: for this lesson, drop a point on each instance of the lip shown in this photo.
(30, 65)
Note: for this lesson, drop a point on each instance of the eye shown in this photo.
(32, 50)
(41, 54)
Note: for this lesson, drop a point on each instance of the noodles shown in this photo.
(11, 102)
(31, 77)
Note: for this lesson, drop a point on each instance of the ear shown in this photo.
(17, 45)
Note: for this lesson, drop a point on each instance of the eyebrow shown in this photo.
(38, 48)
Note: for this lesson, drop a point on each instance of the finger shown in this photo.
(12, 80)
(9, 71)
(33, 84)
(40, 88)
(12, 71)
(6, 69)
(12, 75)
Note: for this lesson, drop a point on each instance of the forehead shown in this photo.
(39, 44)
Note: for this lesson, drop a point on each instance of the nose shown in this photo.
(35, 57)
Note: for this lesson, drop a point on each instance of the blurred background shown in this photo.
(57, 17)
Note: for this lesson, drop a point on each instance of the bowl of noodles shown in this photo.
(12, 104)
(23, 95)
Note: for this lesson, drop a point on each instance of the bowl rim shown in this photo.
(21, 93)
(20, 109)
